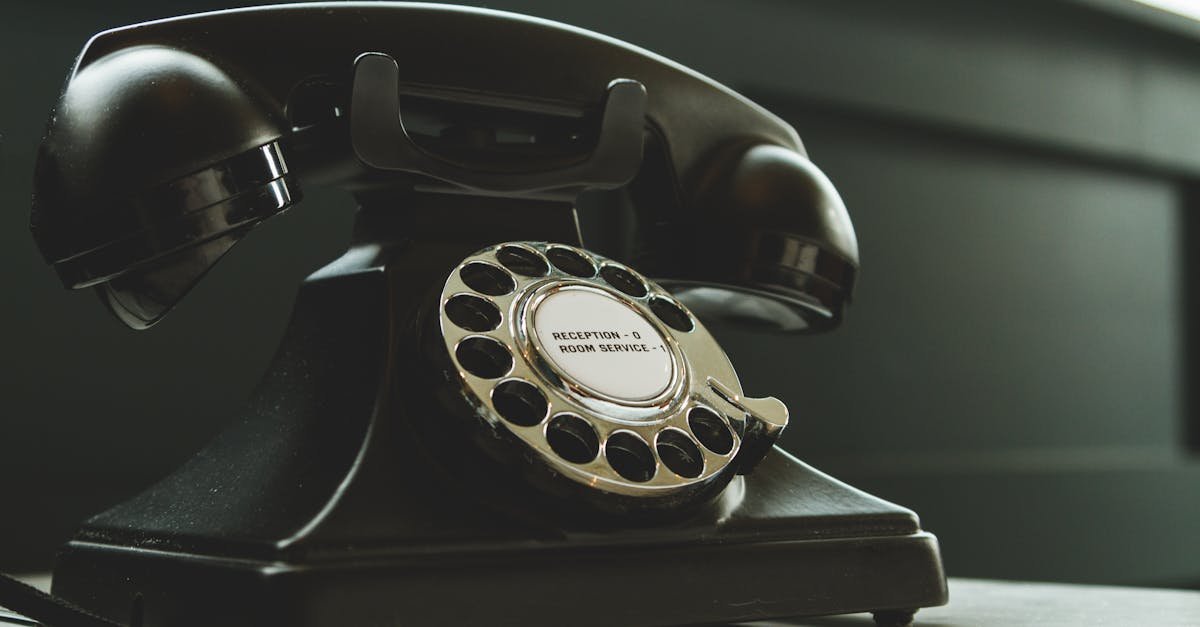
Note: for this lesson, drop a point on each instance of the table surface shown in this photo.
(982, 603)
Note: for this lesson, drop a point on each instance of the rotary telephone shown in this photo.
(473, 418)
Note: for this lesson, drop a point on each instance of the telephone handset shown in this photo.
(470, 401)
(174, 137)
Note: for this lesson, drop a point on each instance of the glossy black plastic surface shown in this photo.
(760, 247)
(142, 139)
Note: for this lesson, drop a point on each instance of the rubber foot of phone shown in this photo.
(894, 618)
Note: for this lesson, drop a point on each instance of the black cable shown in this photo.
(47, 609)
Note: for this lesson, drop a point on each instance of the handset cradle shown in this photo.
(380, 140)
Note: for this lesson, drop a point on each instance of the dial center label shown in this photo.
(603, 344)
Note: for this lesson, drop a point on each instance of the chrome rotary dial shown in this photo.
(598, 371)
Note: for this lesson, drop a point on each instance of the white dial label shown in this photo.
(603, 344)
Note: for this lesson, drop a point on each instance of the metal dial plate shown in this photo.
(505, 319)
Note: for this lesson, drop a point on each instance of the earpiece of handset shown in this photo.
(155, 162)
(774, 244)
(593, 379)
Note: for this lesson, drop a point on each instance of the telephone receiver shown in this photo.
(473, 416)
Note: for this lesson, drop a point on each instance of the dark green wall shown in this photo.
(1014, 368)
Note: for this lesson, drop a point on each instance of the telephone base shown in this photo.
(761, 562)
(334, 501)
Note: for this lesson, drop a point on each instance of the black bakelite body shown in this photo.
(340, 496)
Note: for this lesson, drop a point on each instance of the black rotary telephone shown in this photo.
(472, 418)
